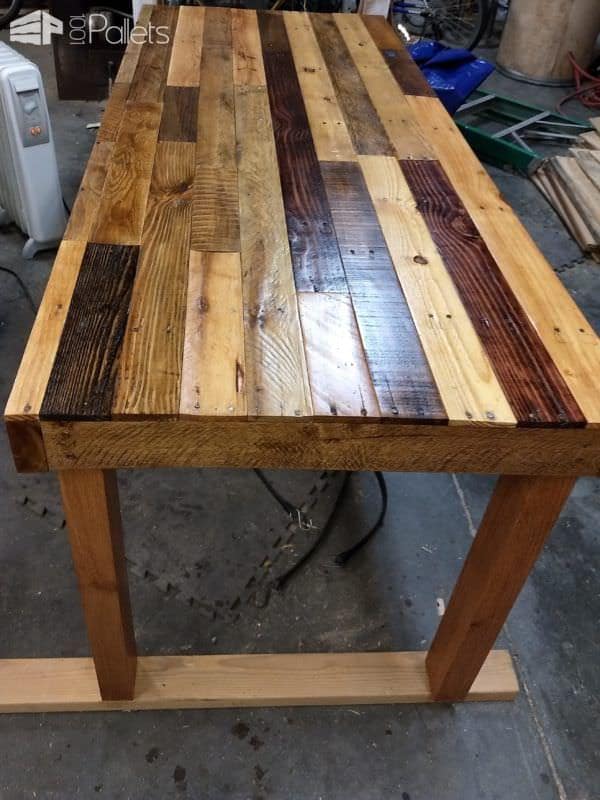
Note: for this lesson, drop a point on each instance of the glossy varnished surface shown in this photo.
(279, 221)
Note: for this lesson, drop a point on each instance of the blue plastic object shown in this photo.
(452, 73)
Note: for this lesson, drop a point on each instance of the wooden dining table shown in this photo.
(283, 254)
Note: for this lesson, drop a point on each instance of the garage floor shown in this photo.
(200, 546)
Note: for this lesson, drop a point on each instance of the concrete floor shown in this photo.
(196, 543)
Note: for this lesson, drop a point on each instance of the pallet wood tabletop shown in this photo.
(279, 225)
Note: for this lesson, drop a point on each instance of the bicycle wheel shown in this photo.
(9, 10)
(456, 23)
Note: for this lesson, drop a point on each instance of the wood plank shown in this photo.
(590, 139)
(337, 369)
(180, 114)
(407, 74)
(213, 372)
(249, 680)
(113, 113)
(388, 100)
(533, 385)
(401, 377)
(333, 444)
(150, 364)
(91, 506)
(131, 56)
(248, 68)
(581, 190)
(26, 443)
(28, 390)
(82, 380)
(327, 124)
(362, 120)
(186, 53)
(276, 377)
(150, 77)
(313, 245)
(84, 213)
(122, 207)
(519, 518)
(215, 211)
(565, 332)
(589, 161)
(465, 379)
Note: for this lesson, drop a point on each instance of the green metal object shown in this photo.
(499, 129)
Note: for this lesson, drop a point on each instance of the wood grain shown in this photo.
(327, 124)
(465, 379)
(91, 506)
(276, 378)
(565, 332)
(113, 113)
(313, 246)
(150, 76)
(364, 125)
(82, 380)
(531, 382)
(401, 376)
(84, 213)
(401, 65)
(338, 373)
(150, 365)
(215, 211)
(122, 206)
(388, 100)
(520, 516)
(179, 117)
(248, 68)
(184, 67)
(226, 681)
(213, 372)
(131, 56)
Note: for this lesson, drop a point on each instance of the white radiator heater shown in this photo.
(30, 193)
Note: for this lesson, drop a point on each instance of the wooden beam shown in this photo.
(229, 681)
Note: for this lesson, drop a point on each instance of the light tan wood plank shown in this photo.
(589, 161)
(132, 54)
(150, 363)
(123, 203)
(248, 67)
(387, 97)
(213, 372)
(184, 67)
(85, 208)
(230, 681)
(567, 335)
(581, 191)
(332, 444)
(30, 384)
(464, 376)
(337, 369)
(328, 127)
(276, 378)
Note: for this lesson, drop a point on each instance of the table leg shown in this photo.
(518, 519)
(91, 505)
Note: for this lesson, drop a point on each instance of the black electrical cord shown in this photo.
(66, 207)
(24, 288)
(342, 558)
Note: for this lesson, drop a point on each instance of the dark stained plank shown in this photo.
(315, 256)
(401, 377)
(407, 74)
(150, 74)
(365, 127)
(180, 112)
(215, 208)
(82, 380)
(531, 381)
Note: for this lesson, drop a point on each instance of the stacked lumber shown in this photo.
(571, 184)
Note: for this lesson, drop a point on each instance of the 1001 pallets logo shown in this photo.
(39, 26)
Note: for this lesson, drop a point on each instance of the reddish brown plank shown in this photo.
(407, 74)
(536, 390)
(179, 116)
(82, 380)
(315, 256)
(400, 373)
(365, 127)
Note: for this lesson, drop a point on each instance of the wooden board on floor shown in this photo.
(230, 681)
